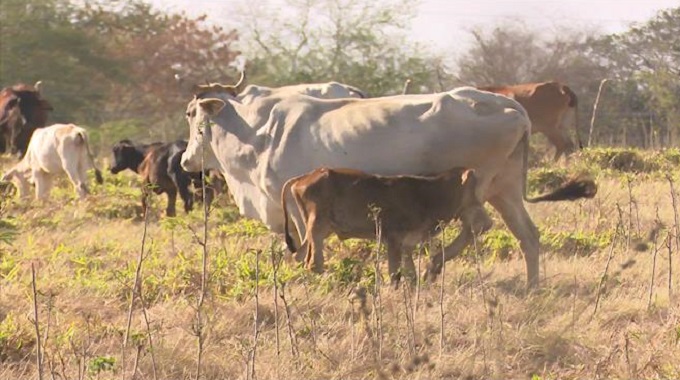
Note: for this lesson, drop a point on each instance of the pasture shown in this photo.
(607, 306)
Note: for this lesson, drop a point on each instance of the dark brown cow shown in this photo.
(409, 209)
(159, 166)
(552, 108)
(16, 132)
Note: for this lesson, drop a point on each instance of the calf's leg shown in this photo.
(74, 174)
(43, 184)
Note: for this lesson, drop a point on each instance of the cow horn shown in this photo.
(218, 87)
(240, 81)
(37, 85)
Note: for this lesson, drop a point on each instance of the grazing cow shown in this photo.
(397, 135)
(159, 166)
(409, 209)
(54, 150)
(552, 108)
(26, 101)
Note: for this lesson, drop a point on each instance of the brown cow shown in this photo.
(409, 209)
(552, 108)
(16, 132)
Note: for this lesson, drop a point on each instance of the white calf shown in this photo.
(53, 150)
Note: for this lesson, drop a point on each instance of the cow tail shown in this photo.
(573, 189)
(573, 103)
(284, 192)
(97, 173)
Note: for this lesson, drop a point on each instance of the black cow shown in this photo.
(159, 165)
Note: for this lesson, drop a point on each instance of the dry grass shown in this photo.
(85, 256)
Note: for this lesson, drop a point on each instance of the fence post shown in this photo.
(592, 119)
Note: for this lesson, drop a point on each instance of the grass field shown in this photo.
(606, 308)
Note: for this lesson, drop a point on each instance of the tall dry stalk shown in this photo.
(36, 324)
(629, 183)
(276, 261)
(651, 280)
(409, 310)
(670, 270)
(200, 336)
(441, 292)
(292, 336)
(256, 317)
(606, 269)
(136, 285)
(377, 300)
(676, 231)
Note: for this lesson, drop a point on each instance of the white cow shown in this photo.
(406, 134)
(328, 90)
(52, 151)
(262, 99)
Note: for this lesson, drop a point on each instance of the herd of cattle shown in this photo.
(351, 165)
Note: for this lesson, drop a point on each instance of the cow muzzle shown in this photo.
(187, 164)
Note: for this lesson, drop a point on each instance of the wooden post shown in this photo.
(592, 119)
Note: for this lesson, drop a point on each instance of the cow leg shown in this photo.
(172, 199)
(559, 139)
(73, 171)
(43, 184)
(183, 183)
(394, 257)
(519, 222)
(316, 234)
(454, 249)
(408, 267)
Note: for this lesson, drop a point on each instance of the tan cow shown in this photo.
(409, 209)
(53, 150)
(552, 108)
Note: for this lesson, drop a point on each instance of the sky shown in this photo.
(445, 24)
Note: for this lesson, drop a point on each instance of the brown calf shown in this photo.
(409, 210)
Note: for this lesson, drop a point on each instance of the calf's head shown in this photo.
(125, 156)
(471, 210)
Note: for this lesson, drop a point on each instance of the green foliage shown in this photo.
(110, 132)
(244, 227)
(363, 44)
(575, 243)
(100, 364)
(15, 339)
(630, 160)
(500, 243)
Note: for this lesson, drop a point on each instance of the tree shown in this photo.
(39, 41)
(513, 53)
(163, 55)
(645, 64)
(351, 41)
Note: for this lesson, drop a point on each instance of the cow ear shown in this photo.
(468, 175)
(212, 106)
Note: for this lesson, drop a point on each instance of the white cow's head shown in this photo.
(200, 113)
(199, 116)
